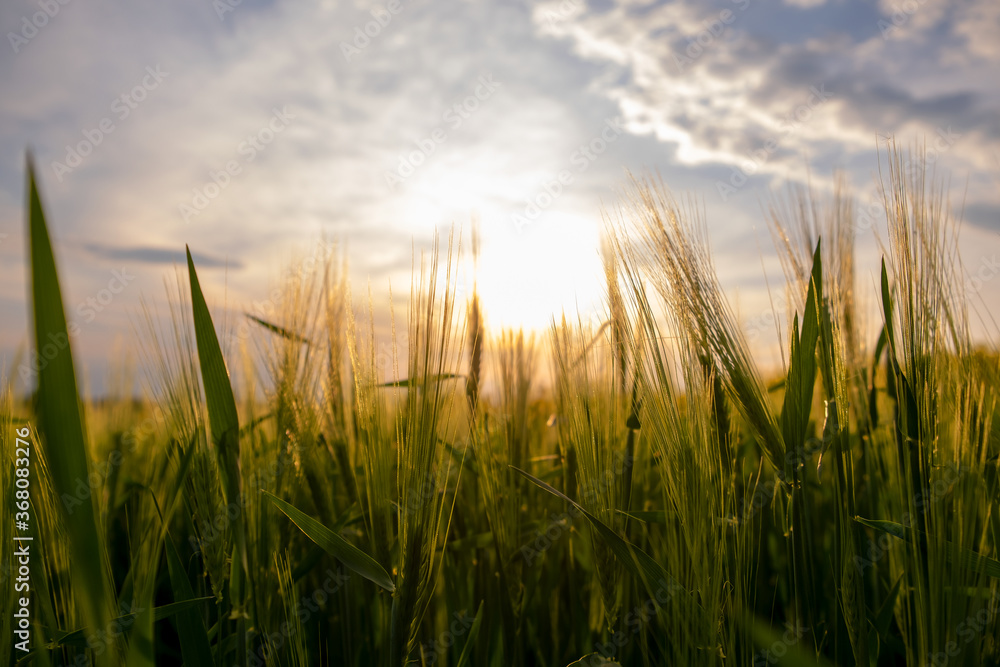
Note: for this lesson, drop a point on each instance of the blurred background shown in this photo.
(255, 130)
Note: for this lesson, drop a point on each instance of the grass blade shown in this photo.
(174, 608)
(638, 562)
(335, 545)
(177, 495)
(884, 616)
(802, 364)
(591, 660)
(967, 558)
(281, 331)
(195, 647)
(223, 419)
(466, 656)
(646, 516)
(60, 413)
(140, 644)
(409, 382)
(218, 391)
(772, 641)
(79, 637)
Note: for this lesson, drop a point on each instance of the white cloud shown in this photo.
(979, 24)
(710, 83)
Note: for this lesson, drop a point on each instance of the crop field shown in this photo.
(661, 498)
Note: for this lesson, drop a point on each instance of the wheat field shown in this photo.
(663, 500)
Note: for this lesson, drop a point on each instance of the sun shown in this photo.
(527, 277)
(525, 274)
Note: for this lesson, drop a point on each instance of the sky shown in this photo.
(253, 130)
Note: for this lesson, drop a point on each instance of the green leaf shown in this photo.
(777, 645)
(884, 616)
(649, 516)
(637, 561)
(890, 327)
(410, 382)
(591, 660)
(888, 527)
(878, 631)
(879, 349)
(909, 416)
(195, 647)
(177, 494)
(255, 422)
(335, 545)
(880, 345)
(141, 652)
(466, 656)
(168, 610)
(281, 331)
(224, 421)
(218, 391)
(60, 414)
(967, 558)
(59, 637)
(802, 363)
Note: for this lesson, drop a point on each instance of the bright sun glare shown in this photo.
(525, 276)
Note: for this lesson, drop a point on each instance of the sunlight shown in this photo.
(525, 276)
(527, 279)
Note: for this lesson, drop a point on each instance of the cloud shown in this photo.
(979, 25)
(712, 82)
(153, 255)
(804, 4)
